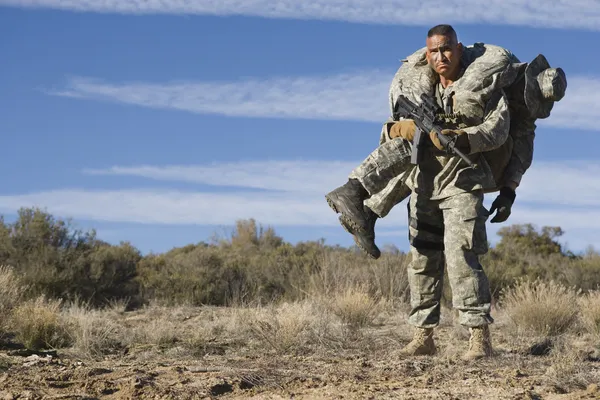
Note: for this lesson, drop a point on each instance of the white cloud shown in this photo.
(552, 194)
(289, 209)
(287, 176)
(565, 183)
(177, 207)
(580, 14)
(358, 96)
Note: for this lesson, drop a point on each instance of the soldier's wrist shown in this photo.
(509, 193)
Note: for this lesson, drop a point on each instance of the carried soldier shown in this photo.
(487, 104)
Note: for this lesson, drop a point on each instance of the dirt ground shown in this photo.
(363, 364)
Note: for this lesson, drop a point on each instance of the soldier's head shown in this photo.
(444, 51)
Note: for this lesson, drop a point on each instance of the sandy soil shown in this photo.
(364, 365)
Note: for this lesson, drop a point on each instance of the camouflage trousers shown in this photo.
(383, 173)
(448, 233)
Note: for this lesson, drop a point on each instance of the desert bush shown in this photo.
(253, 265)
(38, 325)
(524, 252)
(54, 259)
(540, 307)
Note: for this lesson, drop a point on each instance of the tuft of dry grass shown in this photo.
(294, 327)
(38, 325)
(12, 292)
(541, 307)
(94, 333)
(589, 309)
(568, 369)
(161, 332)
(286, 327)
(355, 307)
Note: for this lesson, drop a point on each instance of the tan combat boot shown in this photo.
(480, 344)
(421, 345)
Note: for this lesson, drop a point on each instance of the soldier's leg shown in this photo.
(388, 161)
(426, 269)
(425, 273)
(465, 239)
(383, 201)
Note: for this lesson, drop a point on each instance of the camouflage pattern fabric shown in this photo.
(522, 132)
(387, 161)
(503, 164)
(448, 232)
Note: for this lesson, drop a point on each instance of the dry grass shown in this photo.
(568, 369)
(589, 308)
(94, 333)
(355, 307)
(12, 292)
(38, 325)
(541, 308)
(161, 332)
(298, 327)
(287, 327)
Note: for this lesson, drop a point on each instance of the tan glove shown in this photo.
(405, 129)
(450, 132)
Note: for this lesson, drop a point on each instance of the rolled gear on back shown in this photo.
(488, 68)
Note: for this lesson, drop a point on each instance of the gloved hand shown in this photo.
(503, 204)
(449, 132)
(405, 129)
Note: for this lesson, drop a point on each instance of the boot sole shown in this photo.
(347, 227)
(346, 220)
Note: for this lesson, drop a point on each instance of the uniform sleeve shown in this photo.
(494, 129)
(522, 155)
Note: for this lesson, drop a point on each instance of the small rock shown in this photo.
(518, 374)
(542, 348)
(221, 388)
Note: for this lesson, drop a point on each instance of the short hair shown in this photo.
(442, 30)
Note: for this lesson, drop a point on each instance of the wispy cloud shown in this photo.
(285, 176)
(359, 96)
(178, 207)
(549, 183)
(580, 14)
(554, 194)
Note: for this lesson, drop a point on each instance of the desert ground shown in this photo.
(313, 349)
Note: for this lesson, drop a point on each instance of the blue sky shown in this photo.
(163, 122)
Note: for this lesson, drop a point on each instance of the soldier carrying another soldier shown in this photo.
(488, 102)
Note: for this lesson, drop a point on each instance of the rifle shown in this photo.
(424, 117)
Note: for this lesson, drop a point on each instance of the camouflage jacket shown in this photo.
(479, 98)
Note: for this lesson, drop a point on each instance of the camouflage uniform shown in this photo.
(446, 213)
(385, 171)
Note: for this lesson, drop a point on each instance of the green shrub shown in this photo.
(54, 259)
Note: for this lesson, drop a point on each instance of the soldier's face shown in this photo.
(443, 55)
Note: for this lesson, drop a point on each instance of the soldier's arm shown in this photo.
(493, 131)
(523, 134)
